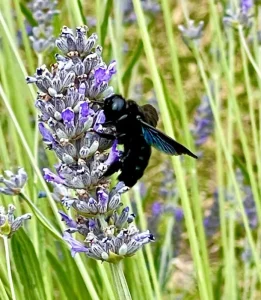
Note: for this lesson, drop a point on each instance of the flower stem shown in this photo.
(120, 282)
(7, 257)
(102, 221)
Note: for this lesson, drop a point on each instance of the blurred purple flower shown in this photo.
(203, 122)
(212, 222)
(156, 208)
(250, 207)
(246, 5)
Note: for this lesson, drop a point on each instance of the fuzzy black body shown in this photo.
(136, 130)
(136, 152)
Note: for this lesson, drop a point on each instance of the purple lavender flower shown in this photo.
(246, 5)
(240, 16)
(250, 207)
(67, 113)
(8, 223)
(159, 210)
(42, 35)
(111, 242)
(203, 122)
(150, 7)
(191, 32)
(248, 200)
(68, 120)
(212, 221)
(68, 221)
(104, 73)
(13, 183)
(76, 246)
(168, 189)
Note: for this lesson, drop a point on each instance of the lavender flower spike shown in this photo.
(203, 122)
(43, 12)
(115, 240)
(13, 183)
(8, 223)
(191, 32)
(67, 111)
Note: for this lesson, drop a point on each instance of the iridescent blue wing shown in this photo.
(162, 142)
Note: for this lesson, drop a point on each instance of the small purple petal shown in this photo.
(102, 74)
(84, 112)
(114, 154)
(75, 245)
(112, 67)
(46, 134)
(143, 235)
(68, 117)
(68, 221)
(51, 177)
(102, 197)
(92, 224)
(99, 120)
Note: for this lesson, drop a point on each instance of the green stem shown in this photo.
(102, 221)
(41, 217)
(120, 282)
(8, 264)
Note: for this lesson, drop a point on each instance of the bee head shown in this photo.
(114, 107)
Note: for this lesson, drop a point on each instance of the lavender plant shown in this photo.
(42, 35)
(9, 224)
(68, 121)
(239, 16)
(13, 183)
(191, 32)
(203, 122)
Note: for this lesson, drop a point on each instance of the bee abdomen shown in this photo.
(135, 162)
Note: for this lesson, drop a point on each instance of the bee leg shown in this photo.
(107, 136)
(113, 168)
(120, 135)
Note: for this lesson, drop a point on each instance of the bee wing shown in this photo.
(162, 142)
(150, 114)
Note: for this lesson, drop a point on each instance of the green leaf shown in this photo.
(63, 277)
(104, 26)
(3, 292)
(81, 12)
(134, 59)
(28, 15)
(28, 266)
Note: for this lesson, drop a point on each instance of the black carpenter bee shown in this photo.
(135, 129)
